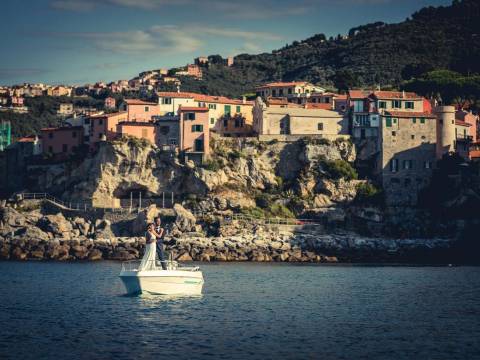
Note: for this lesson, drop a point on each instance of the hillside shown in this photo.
(373, 54)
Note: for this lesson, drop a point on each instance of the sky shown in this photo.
(85, 41)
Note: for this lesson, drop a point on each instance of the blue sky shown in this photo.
(81, 41)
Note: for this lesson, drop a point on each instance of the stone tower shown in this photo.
(445, 130)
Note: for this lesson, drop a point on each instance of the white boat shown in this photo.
(173, 281)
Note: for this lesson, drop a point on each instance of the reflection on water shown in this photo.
(257, 311)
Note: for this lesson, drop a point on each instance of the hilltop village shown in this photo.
(368, 162)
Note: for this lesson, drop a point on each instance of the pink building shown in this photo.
(194, 132)
(105, 126)
(110, 103)
(61, 141)
(142, 111)
(472, 120)
(139, 130)
(194, 70)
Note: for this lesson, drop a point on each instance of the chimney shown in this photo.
(403, 94)
(244, 99)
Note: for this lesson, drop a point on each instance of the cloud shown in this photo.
(164, 39)
(248, 9)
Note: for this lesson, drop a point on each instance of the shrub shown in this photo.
(212, 164)
(279, 210)
(254, 212)
(263, 201)
(338, 169)
(368, 194)
(272, 142)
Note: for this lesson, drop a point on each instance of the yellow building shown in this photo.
(229, 117)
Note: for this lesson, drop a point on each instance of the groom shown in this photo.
(159, 233)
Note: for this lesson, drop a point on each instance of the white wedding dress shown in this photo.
(149, 258)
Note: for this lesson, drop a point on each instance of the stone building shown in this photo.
(275, 122)
(407, 143)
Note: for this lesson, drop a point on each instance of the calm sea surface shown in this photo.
(257, 311)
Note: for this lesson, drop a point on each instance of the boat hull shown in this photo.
(163, 282)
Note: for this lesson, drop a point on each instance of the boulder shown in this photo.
(19, 254)
(56, 224)
(184, 257)
(79, 252)
(185, 221)
(144, 217)
(95, 254)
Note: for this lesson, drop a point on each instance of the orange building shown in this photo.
(61, 141)
(194, 132)
(139, 110)
(139, 130)
(105, 125)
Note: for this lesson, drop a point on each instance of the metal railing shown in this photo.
(134, 265)
(126, 205)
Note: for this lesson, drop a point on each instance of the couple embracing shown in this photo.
(154, 237)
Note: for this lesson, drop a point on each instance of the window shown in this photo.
(414, 120)
(212, 121)
(212, 106)
(144, 133)
(407, 181)
(382, 104)
(427, 164)
(50, 135)
(64, 148)
(238, 109)
(394, 120)
(394, 165)
(227, 109)
(225, 123)
(394, 133)
(396, 104)
(164, 130)
(238, 123)
(362, 120)
(198, 145)
(74, 134)
(422, 120)
(412, 137)
(280, 92)
(409, 105)
(358, 106)
(189, 116)
(197, 128)
(320, 126)
(147, 109)
(50, 149)
(407, 164)
(167, 101)
(274, 93)
(100, 122)
(289, 90)
(201, 104)
(388, 122)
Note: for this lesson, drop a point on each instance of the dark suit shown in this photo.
(160, 252)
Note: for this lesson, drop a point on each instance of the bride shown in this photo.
(149, 258)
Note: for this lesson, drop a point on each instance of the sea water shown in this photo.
(247, 311)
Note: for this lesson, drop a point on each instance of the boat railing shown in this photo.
(134, 265)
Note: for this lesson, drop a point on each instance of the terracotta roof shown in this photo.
(461, 123)
(27, 139)
(341, 97)
(277, 101)
(358, 94)
(136, 123)
(277, 84)
(109, 115)
(408, 114)
(138, 102)
(395, 95)
(203, 98)
(193, 108)
(318, 106)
